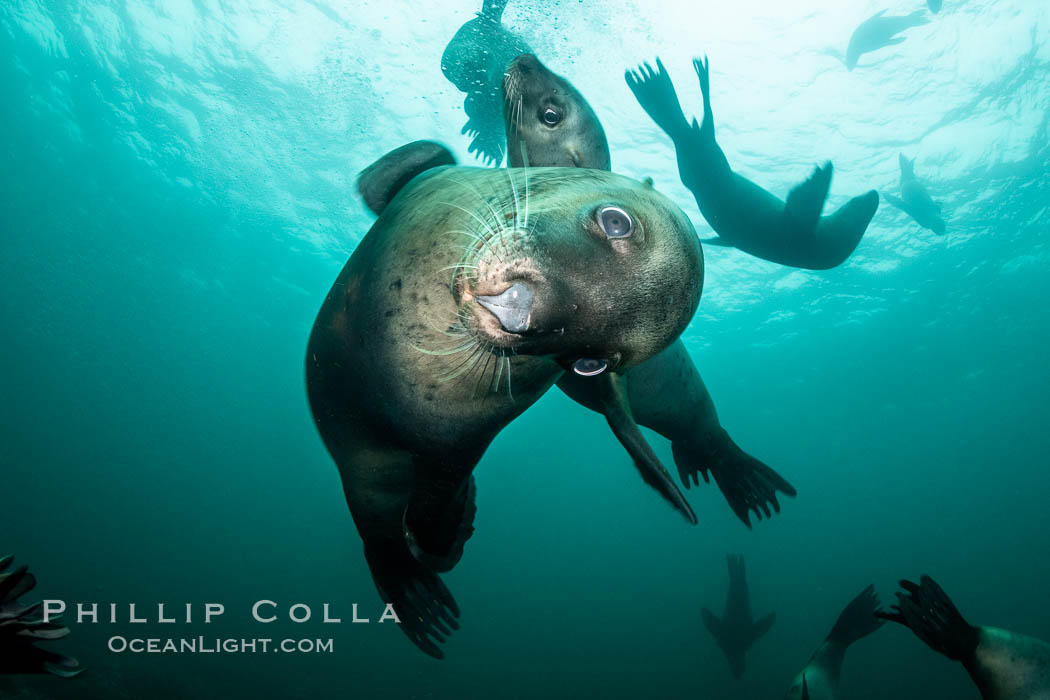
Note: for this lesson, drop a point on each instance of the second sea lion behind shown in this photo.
(549, 123)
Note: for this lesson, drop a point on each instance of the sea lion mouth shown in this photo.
(512, 308)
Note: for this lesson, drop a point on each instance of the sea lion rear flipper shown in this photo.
(747, 483)
(806, 200)
(928, 612)
(383, 179)
(424, 606)
(440, 517)
(717, 240)
(858, 619)
(617, 412)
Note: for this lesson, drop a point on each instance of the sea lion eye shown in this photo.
(615, 222)
(589, 366)
(550, 117)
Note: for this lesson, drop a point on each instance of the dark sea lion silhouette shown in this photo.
(549, 123)
(820, 678)
(471, 295)
(736, 631)
(743, 214)
(21, 628)
(474, 61)
(1004, 665)
(915, 201)
(934, 5)
(879, 31)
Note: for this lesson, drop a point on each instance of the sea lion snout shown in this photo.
(513, 307)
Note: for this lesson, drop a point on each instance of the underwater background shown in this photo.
(177, 196)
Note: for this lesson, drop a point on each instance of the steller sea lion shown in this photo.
(744, 215)
(471, 295)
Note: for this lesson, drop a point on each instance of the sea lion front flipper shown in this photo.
(747, 483)
(895, 201)
(806, 200)
(715, 627)
(21, 626)
(759, 628)
(717, 240)
(927, 611)
(380, 181)
(617, 411)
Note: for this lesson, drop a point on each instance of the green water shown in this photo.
(176, 198)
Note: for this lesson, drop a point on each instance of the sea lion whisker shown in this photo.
(498, 372)
(510, 394)
(462, 366)
(484, 200)
(443, 353)
(473, 215)
(481, 375)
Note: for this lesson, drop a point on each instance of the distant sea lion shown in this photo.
(915, 201)
(743, 214)
(820, 678)
(934, 5)
(549, 123)
(474, 61)
(878, 31)
(21, 626)
(736, 631)
(1004, 665)
(471, 295)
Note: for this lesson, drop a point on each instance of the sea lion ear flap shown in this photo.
(648, 182)
(381, 181)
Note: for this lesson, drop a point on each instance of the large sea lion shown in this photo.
(878, 31)
(820, 678)
(549, 123)
(474, 61)
(1004, 665)
(471, 295)
(736, 631)
(21, 627)
(915, 201)
(743, 214)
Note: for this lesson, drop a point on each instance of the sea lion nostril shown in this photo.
(513, 307)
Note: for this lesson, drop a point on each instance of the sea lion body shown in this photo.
(915, 201)
(470, 296)
(736, 630)
(744, 215)
(879, 31)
